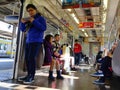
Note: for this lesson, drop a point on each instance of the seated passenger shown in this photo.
(106, 68)
(68, 59)
(57, 52)
(98, 62)
(99, 58)
(50, 57)
(48, 52)
(86, 59)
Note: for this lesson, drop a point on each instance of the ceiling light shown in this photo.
(103, 27)
(73, 15)
(105, 3)
(86, 34)
(69, 10)
(83, 30)
(104, 17)
(76, 20)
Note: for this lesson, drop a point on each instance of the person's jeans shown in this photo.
(77, 58)
(31, 52)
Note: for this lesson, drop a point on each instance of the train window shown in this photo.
(5, 47)
(2, 47)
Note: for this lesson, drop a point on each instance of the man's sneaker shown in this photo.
(99, 82)
(22, 78)
(28, 80)
(97, 74)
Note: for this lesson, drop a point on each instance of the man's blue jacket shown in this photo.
(36, 30)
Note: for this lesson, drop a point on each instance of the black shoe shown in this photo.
(51, 78)
(73, 69)
(60, 77)
(22, 78)
(28, 80)
(65, 73)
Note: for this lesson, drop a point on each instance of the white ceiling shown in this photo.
(113, 5)
(84, 15)
(55, 13)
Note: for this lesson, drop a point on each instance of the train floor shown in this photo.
(76, 80)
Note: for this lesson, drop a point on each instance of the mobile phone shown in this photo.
(27, 18)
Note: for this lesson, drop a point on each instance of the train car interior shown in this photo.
(95, 23)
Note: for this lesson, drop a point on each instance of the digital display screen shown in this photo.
(11, 18)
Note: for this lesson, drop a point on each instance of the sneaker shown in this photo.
(99, 82)
(22, 78)
(97, 74)
(28, 80)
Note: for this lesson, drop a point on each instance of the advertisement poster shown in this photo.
(70, 4)
(90, 3)
(66, 4)
(86, 25)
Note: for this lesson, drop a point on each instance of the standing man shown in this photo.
(77, 52)
(35, 26)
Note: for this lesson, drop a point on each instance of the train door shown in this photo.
(7, 50)
(9, 38)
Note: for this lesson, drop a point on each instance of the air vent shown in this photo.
(87, 12)
(3, 2)
(89, 18)
(94, 33)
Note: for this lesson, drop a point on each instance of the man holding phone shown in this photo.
(34, 40)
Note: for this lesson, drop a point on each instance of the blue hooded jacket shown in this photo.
(36, 31)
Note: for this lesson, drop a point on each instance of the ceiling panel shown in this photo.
(95, 11)
(4, 2)
(80, 12)
(96, 18)
(82, 19)
(113, 5)
(93, 14)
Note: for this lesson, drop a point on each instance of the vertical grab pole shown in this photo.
(17, 42)
(109, 36)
